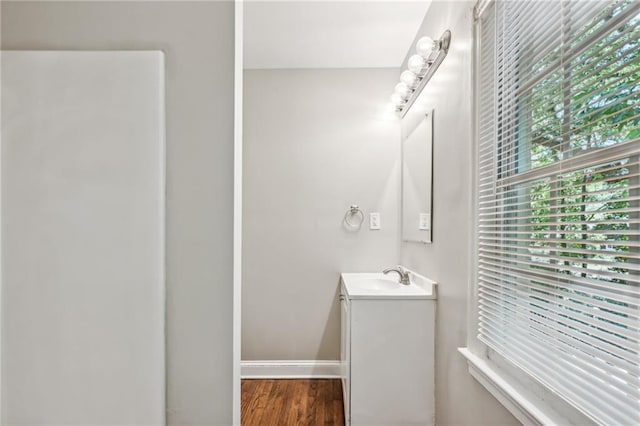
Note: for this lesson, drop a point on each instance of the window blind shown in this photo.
(558, 175)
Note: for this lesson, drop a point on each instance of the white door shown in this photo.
(82, 243)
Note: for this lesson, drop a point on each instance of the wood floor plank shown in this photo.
(303, 393)
(261, 401)
(291, 402)
(276, 403)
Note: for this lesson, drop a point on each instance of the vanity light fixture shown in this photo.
(402, 89)
(429, 55)
(409, 78)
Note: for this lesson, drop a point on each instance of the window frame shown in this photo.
(526, 398)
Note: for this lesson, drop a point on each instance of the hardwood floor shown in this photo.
(290, 402)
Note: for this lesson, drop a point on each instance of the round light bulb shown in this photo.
(416, 63)
(425, 46)
(402, 90)
(408, 78)
(396, 99)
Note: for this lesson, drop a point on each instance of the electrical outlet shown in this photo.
(374, 220)
(425, 222)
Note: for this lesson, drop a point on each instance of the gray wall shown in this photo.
(82, 238)
(198, 39)
(315, 141)
(460, 400)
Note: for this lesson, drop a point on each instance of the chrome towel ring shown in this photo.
(356, 211)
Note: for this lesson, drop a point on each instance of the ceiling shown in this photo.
(329, 34)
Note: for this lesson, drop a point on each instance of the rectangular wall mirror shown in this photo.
(417, 181)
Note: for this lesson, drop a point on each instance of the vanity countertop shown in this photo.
(380, 286)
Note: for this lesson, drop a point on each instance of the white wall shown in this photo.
(315, 142)
(198, 41)
(460, 400)
(83, 238)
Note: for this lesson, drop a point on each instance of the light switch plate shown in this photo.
(374, 220)
(425, 222)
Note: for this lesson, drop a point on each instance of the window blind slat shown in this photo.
(539, 269)
(510, 247)
(572, 298)
(535, 274)
(497, 226)
(544, 257)
(616, 294)
(513, 199)
(490, 239)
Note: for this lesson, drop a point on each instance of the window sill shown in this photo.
(522, 403)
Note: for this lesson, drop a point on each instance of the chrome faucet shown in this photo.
(404, 275)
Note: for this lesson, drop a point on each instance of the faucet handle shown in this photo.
(405, 274)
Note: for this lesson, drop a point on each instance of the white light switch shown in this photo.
(425, 222)
(374, 220)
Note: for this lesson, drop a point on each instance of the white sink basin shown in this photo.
(378, 285)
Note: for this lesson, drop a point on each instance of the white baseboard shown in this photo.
(304, 369)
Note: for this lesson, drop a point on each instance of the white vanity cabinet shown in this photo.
(387, 353)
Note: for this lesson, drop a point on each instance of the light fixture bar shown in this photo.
(427, 72)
